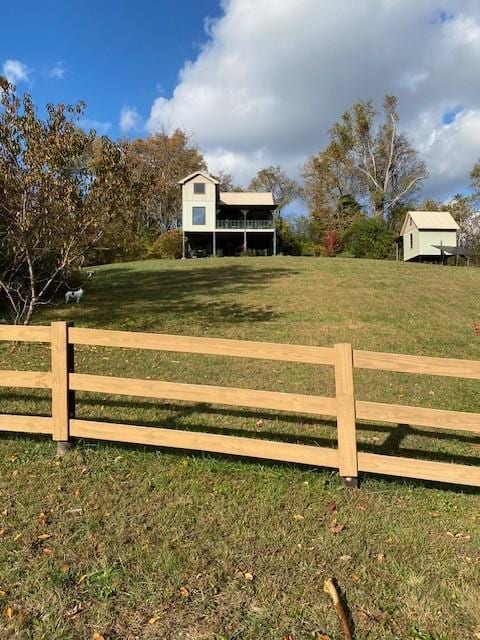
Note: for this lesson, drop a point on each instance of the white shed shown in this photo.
(424, 232)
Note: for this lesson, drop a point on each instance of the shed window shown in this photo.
(198, 215)
(411, 241)
(198, 187)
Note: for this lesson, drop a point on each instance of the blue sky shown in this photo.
(109, 53)
(258, 82)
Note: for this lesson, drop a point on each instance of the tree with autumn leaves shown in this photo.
(367, 167)
(59, 189)
(64, 192)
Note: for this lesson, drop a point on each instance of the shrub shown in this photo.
(168, 245)
(370, 238)
(332, 243)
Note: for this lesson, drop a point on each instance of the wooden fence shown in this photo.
(64, 382)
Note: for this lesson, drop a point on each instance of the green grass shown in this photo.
(129, 529)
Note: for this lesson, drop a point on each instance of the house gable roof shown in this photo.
(437, 220)
(198, 173)
(247, 198)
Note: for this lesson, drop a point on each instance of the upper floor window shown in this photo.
(198, 215)
(198, 187)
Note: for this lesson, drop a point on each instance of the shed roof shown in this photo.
(247, 198)
(441, 220)
(198, 173)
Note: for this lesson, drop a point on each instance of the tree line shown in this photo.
(70, 197)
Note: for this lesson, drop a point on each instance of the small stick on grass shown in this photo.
(330, 588)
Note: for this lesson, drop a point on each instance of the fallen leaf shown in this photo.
(355, 578)
(97, 636)
(380, 557)
(336, 527)
(459, 536)
(462, 536)
(259, 423)
(184, 592)
(8, 613)
(74, 611)
(47, 551)
(154, 619)
(298, 516)
(331, 506)
(44, 536)
(248, 576)
(345, 558)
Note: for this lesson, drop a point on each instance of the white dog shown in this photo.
(74, 296)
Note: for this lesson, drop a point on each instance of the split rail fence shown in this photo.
(64, 382)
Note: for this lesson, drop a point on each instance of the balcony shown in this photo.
(245, 224)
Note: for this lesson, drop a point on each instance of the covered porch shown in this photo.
(229, 242)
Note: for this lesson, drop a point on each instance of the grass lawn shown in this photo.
(137, 543)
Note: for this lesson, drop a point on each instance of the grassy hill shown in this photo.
(156, 544)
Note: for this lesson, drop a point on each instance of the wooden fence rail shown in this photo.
(64, 382)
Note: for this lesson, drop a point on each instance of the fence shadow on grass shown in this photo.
(391, 444)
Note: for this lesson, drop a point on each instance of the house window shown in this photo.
(411, 241)
(198, 187)
(198, 215)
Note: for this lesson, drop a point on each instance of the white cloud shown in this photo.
(274, 75)
(450, 149)
(16, 71)
(56, 71)
(130, 120)
(100, 127)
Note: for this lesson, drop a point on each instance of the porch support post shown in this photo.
(183, 244)
(274, 242)
(214, 244)
(245, 211)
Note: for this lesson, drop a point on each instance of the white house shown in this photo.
(428, 234)
(221, 223)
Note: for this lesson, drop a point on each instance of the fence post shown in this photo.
(346, 428)
(62, 399)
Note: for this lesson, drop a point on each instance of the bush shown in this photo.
(370, 238)
(332, 243)
(168, 245)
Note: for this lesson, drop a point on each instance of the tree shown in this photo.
(330, 190)
(370, 238)
(225, 182)
(378, 160)
(159, 162)
(59, 189)
(273, 179)
(475, 181)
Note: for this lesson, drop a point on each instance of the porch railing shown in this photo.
(244, 224)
